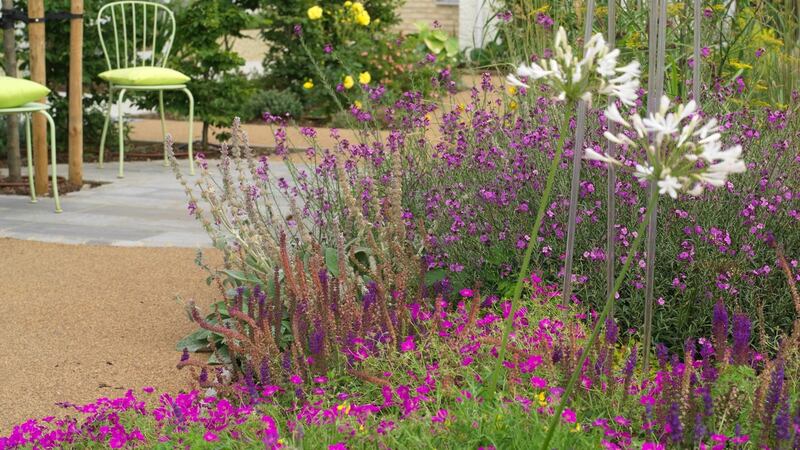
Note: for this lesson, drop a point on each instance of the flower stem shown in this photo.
(555, 420)
(533, 244)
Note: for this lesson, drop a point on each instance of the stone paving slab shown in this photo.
(147, 208)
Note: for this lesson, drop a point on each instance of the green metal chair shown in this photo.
(141, 34)
(28, 110)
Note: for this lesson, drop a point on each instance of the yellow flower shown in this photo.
(348, 82)
(315, 13)
(542, 399)
(577, 428)
(348, 4)
(309, 84)
(357, 104)
(512, 90)
(738, 65)
(357, 6)
(344, 407)
(362, 18)
(364, 78)
(513, 105)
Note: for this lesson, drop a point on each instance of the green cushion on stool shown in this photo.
(144, 76)
(15, 92)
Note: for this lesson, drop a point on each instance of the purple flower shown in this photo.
(408, 344)
(741, 338)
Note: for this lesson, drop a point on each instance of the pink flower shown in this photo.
(569, 416)
(337, 446)
(408, 345)
(148, 389)
(210, 437)
(466, 292)
(653, 446)
(538, 383)
(440, 416)
(295, 379)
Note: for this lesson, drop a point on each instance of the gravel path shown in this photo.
(81, 322)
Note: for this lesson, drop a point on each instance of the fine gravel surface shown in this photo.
(78, 322)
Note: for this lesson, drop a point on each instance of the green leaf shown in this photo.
(332, 261)
(434, 46)
(451, 46)
(439, 35)
(195, 341)
(435, 275)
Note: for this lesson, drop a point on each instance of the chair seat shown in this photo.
(16, 92)
(26, 108)
(145, 76)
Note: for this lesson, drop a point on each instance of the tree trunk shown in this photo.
(38, 74)
(205, 136)
(75, 93)
(12, 120)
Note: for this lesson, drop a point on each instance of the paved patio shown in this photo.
(147, 208)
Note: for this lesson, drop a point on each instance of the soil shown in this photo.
(82, 322)
(22, 187)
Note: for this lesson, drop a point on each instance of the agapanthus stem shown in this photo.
(526, 260)
(650, 278)
(599, 323)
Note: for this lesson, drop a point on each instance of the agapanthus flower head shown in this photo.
(683, 154)
(596, 73)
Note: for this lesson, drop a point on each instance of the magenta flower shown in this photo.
(408, 345)
(466, 293)
(569, 416)
(210, 437)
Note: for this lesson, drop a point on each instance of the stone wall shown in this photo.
(445, 11)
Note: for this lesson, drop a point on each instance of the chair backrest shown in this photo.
(135, 33)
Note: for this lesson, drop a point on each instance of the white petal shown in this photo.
(613, 114)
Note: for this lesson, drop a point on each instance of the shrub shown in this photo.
(273, 102)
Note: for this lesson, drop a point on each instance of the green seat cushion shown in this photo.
(15, 92)
(144, 76)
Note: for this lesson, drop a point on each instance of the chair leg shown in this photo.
(191, 129)
(121, 135)
(28, 146)
(53, 158)
(105, 125)
(163, 125)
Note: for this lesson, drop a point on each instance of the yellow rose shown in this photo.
(348, 82)
(308, 84)
(357, 6)
(362, 18)
(315, 13)
(364, 78)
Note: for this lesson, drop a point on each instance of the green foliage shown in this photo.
(437, 40)
(203, 50)
(278, 103)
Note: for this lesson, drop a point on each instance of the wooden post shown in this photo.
(76, 95)
(37, 49)
(12, 147)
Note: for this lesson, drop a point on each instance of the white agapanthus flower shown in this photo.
(683, 155)
(596, 73)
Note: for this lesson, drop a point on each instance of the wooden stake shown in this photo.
(76, 95)
(37, 49)
(12, 127)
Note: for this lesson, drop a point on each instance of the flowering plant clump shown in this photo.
(334, 55)
(679, 158)
(709, 394)
(596, 73)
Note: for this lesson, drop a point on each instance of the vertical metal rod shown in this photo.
(658, 90)
(696, 56)
(577, 158)
(611, 175)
